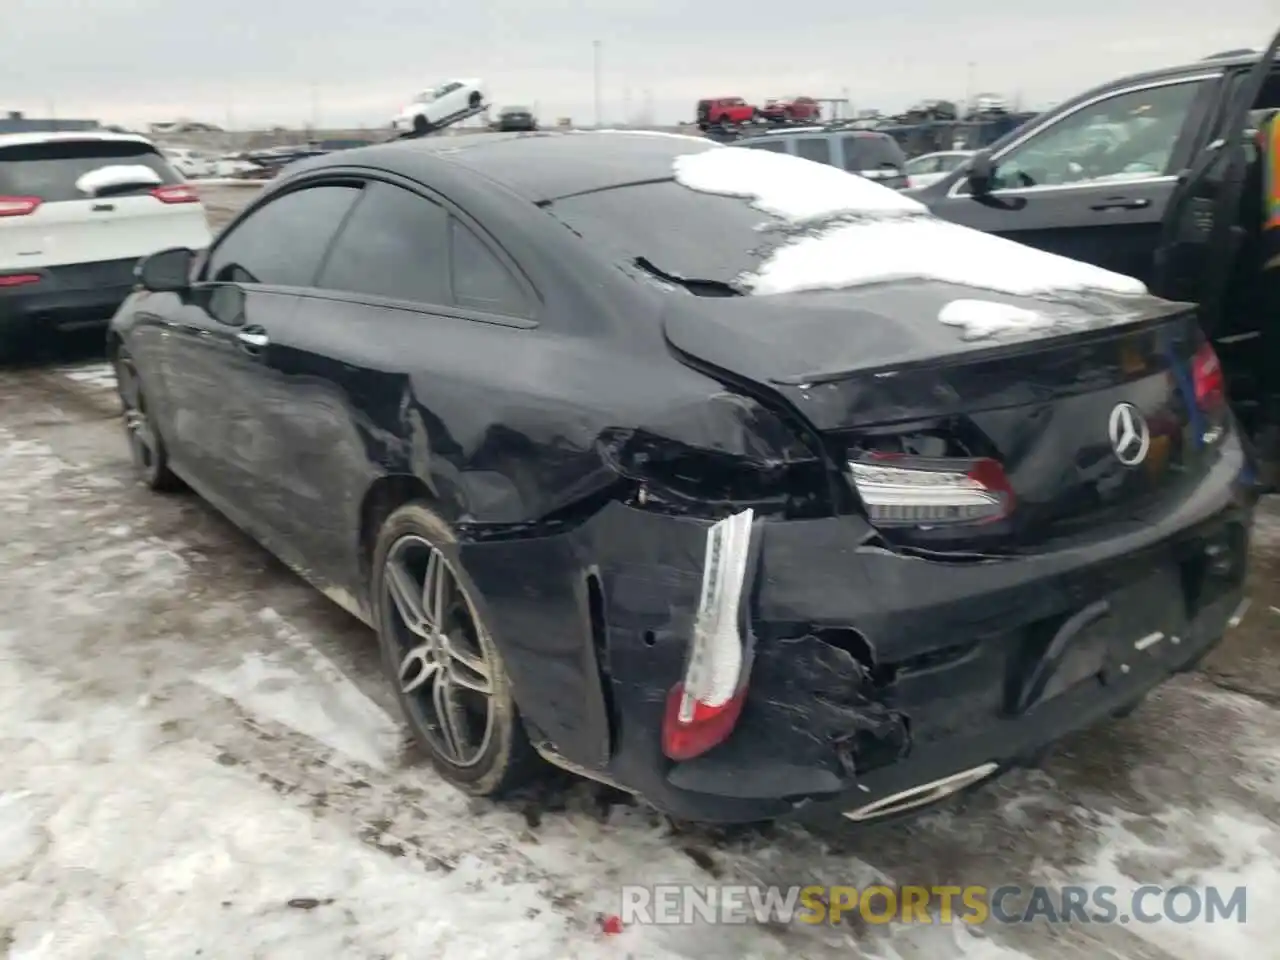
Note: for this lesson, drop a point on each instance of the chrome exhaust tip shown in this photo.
(922, 795)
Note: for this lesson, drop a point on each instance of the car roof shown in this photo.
(539, 166)
(1208, 64)
(56, 136)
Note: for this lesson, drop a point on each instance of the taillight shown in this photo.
(702, 709)
(900, 490)
(19, 279)
(1207, 379)
(18, 206)
(176, 193)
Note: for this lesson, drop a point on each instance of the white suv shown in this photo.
(77, 212)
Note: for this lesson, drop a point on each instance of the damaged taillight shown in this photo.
(703, 708)
(899, 490)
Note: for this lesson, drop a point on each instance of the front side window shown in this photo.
(773, 146)
(283, 241)
(923, 165)
(394, 245)
(1128, 136)
(814, 148)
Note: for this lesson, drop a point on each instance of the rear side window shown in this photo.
(872, 153)
(283, 241)
(814, 148)
(395, 245)
(773, 146)
(50, 170)
(480, 280)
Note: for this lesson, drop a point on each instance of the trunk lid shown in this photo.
(873, 371)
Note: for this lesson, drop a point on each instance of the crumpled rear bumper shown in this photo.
(873, 671)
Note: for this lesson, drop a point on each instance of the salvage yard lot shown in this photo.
(202, 757)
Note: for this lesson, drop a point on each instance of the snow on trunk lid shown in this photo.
(852, 232)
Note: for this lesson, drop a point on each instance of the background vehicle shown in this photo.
(516, 118)
(724, 111)
(77, 211)
(932, 167)
(791, 109)
(190, 162)
(1141, 171)
(868, 153)
(560, 482)
(448, 103)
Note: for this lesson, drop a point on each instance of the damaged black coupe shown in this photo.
(667, 483)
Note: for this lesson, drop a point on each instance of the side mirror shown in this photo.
(980, 172)
(167, 271)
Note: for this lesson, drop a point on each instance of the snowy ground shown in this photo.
(200, 759)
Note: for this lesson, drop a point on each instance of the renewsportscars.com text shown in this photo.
(1009, 904)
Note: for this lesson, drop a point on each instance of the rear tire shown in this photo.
(475, 99)
(146, 447)
(445, 668)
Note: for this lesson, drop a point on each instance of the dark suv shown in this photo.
(867, 153)
(1146, 176)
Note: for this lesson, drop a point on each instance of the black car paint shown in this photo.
(513, 427)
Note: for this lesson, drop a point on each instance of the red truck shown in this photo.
(724, 111)
(789, 109)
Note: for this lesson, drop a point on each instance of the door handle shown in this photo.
(253, 340)
(1122, 203)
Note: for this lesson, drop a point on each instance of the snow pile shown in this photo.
(856, 232)
(983, 318)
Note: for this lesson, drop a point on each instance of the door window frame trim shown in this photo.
(956, 193)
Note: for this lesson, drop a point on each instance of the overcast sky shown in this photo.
(264, 62)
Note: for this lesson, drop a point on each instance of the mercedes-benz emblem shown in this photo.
(1129, 433)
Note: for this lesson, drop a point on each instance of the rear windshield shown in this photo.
(684, 233)
(872, 153)
(50, 170)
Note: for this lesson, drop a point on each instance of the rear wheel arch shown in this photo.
(385, 496)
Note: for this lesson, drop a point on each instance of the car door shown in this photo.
(217, 346)
(399, 294)
(1201, 234)
(452, 99)
(1092, 181)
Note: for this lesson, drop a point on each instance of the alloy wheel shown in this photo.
(142, 437)
(445, 674)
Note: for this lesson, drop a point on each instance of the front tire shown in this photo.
(146, 447)
(445, 668)
(421, 126)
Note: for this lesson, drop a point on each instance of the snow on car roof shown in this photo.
(863, 233)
